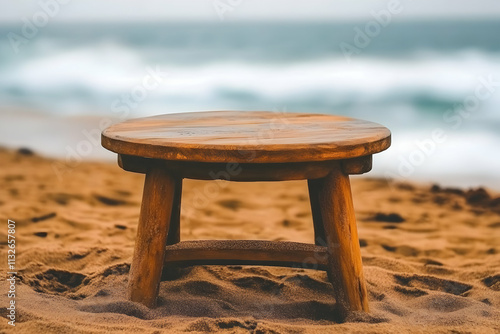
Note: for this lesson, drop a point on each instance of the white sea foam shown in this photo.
(94, 77)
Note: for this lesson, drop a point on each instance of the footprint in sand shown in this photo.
(492, 282)
(258, 283)
(232, 204)
(418, 282)
(58, 282)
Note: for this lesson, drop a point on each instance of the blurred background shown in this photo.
(428, 70)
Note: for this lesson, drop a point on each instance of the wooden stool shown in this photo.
(248, 146)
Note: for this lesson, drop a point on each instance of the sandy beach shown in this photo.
(431, 256)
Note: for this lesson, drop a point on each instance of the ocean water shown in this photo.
(436, 85)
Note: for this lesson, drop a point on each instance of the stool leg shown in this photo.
(345, 268)
(174, 232)
(149, 253)
(319, 232)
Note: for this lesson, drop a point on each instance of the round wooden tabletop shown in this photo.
(246, 137)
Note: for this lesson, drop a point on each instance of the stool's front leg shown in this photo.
(345, 268)
(149, 253)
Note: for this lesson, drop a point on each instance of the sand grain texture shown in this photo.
(431, 256)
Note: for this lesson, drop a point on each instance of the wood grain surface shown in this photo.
(282, 253)
(246, 137)
(345, 268)
(149, 252)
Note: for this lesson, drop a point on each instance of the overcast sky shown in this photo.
(239, 10)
